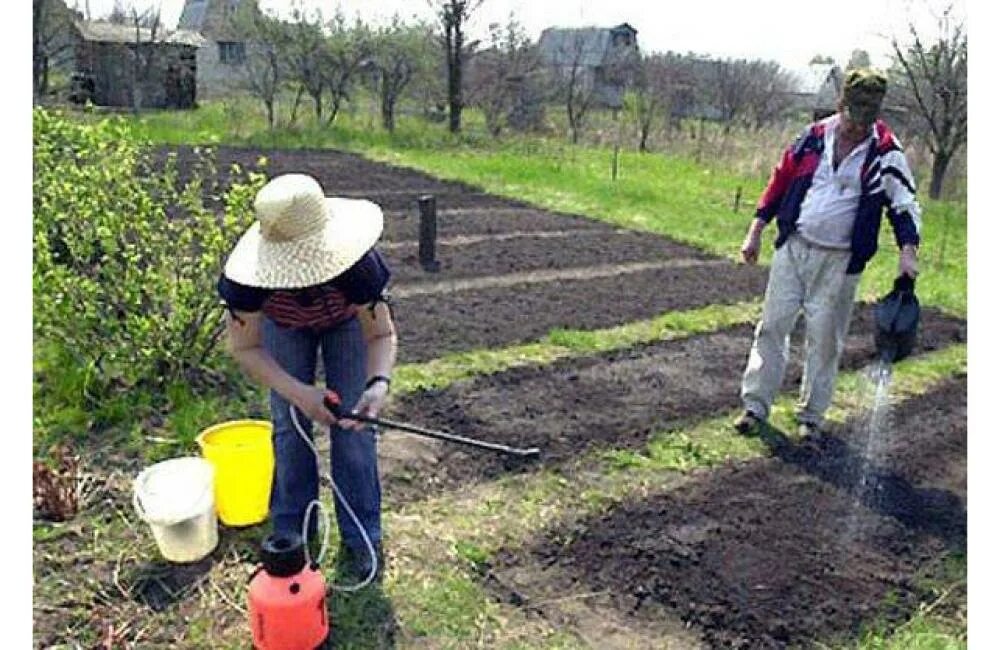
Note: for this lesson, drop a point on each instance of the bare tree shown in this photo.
(768, 89)
(660, 81)
(52, 40)
(501, 75)
(142, 51)
(266, 70)
(732, 89)
(307, 55)
(453, 17)
(396, 55)
(935, 79)
(574, 81)
(347, 50)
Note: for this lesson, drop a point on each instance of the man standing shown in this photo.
(828, 192)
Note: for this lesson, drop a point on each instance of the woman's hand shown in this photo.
(369, 405)
(310, 401)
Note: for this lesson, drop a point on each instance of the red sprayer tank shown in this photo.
(287, 598)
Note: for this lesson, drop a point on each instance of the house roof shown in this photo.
(193, 15)
(104, 32)
(811, 79)
(821, 82)
(586, 46)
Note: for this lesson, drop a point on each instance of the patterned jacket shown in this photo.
(886, 184)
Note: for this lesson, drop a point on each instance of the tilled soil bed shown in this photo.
(800, 548)
(348, 175)
(433, 324)
(404, 225)
(497, 256)
(614, 400)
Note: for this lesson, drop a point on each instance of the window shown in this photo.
(622, 39)
(232, 53)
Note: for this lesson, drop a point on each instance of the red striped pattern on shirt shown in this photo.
(316, 307)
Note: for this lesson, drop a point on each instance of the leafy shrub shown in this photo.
(126, 256)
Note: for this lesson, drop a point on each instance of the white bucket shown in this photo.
(177, 499)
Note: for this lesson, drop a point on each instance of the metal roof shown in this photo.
(586, 46)
(104, 32)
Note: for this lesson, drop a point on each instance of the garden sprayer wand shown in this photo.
(332, 402)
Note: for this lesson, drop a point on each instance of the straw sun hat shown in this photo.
(301, 237)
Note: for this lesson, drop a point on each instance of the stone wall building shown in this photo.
(223, 53)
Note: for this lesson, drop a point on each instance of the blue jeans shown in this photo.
(353, 457)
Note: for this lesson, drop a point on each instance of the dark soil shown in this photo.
(497, 257)
(783, 551)
(433, 325)
(613, 400)
(349, 175)
(405, 225)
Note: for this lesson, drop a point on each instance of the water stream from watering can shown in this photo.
(876, 428)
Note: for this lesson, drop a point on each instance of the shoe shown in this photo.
(810, 433)
(747, 424)
(356, 563)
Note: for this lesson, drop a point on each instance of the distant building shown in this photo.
(223, 53)
(606, 57)
(121, 65)
(817, 89)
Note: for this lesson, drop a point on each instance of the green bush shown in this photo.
(126, 256)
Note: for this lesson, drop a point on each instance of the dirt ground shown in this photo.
(613, 400)
(795, 549)
(432, 325)
(478, 257)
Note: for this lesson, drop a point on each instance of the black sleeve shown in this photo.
(241, 297)
(364, 282)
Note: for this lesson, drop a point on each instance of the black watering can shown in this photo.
(897, 318)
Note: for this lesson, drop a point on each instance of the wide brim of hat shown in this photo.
(353, 227)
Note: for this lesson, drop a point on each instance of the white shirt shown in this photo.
(830, 206)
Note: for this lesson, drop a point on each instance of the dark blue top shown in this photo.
(318, 306)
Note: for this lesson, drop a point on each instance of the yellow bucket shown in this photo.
(243, 457)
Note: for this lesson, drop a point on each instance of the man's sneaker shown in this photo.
(747, 424)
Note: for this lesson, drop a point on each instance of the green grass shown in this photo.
(940, 623)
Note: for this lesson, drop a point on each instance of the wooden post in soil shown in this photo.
(428, 233)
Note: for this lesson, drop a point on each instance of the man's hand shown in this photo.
(750, 250)
(751, 245)
(369, 404)
(908, 261)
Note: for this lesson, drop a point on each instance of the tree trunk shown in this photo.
(455, 79)
(644, 128)
(938, 168)
(269, 104)
(41, 74)
(455, 97)
(43, 88)
(295, 106)
(318, 104)
(388, 111)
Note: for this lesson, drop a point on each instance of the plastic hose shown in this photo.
(315, 503)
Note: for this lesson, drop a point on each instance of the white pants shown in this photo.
(811, 280)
